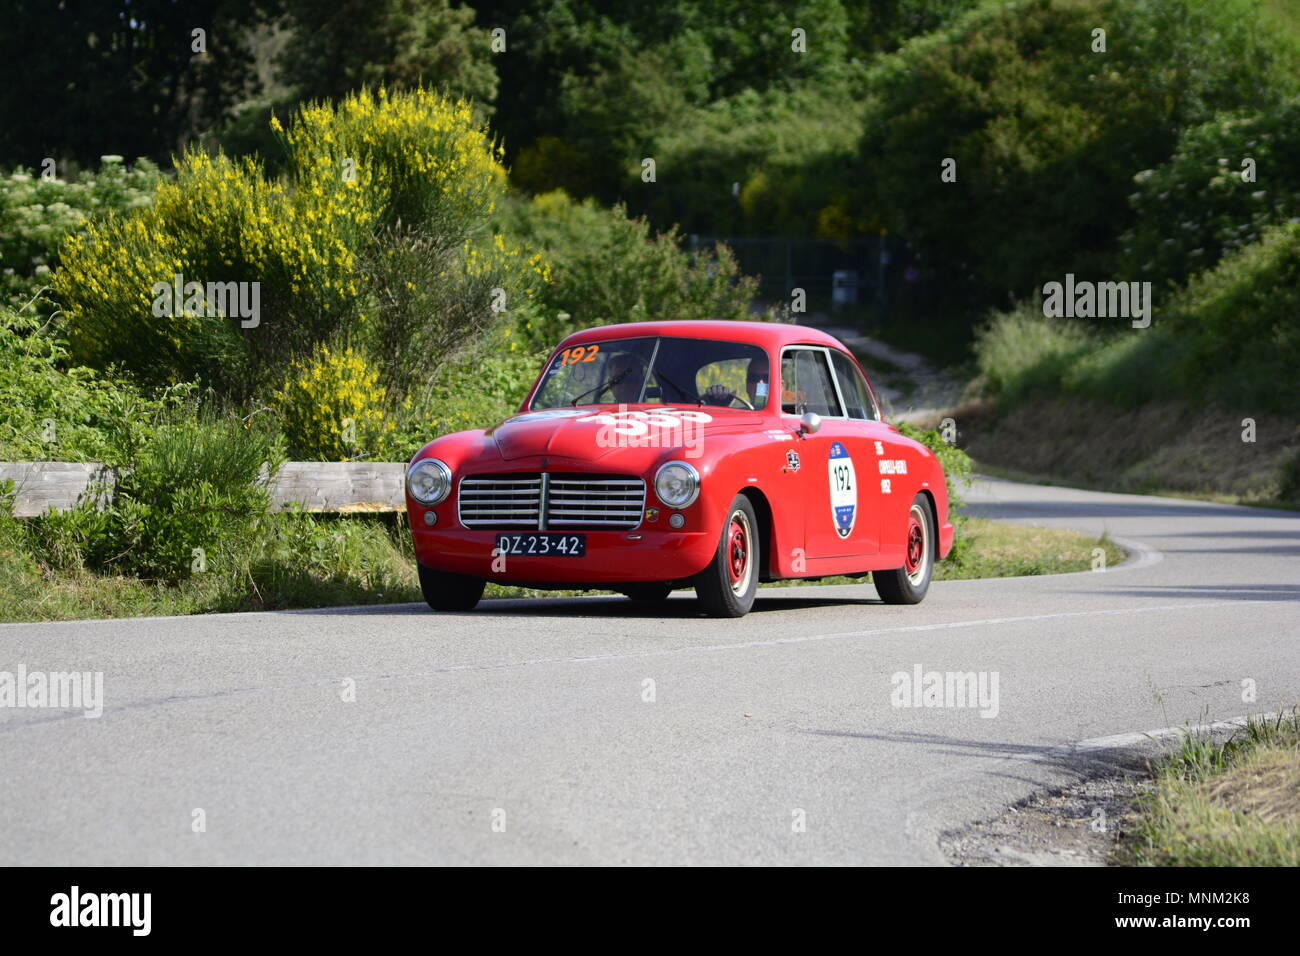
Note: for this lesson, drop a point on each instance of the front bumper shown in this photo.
(613, 557)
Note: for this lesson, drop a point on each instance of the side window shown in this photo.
(852, 387)
(806, 384)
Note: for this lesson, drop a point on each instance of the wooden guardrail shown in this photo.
(322, 486)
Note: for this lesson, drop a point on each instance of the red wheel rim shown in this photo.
(737, 550)
(915, 544)
(917, 561)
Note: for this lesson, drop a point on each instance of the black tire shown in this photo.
(651, 592)
(726, 588)
(450, 592)
(908, 584)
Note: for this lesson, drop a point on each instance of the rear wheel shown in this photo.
(450, 592)
(727, 586)
(651, 592)
(908, 584)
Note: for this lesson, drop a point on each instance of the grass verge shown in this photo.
(1230, 804)
(312, 561)
(297, 560)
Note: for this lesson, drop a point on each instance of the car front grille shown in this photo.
(558, 501)
(500, 501)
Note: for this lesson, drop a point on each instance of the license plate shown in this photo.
(543, 545)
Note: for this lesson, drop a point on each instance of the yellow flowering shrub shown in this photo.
(363, 175)
(433, 167)
(219, 221)
(333, 407)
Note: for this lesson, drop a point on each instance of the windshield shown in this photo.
(665, 371)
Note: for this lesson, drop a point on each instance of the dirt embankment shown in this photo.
(1162, 447)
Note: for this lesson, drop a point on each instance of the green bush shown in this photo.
(1195, 208)
(1241, 323)
(957, 471)
(188, 496)
(53, 410)
(303, 558)
(1020, 354)
(36, 214)
(607, 268)
(1047, 134)
(432, 303)
(790, 150)
(955, 462)
(479, 390)
(1232, 337)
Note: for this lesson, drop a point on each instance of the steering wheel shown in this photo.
(730, 396)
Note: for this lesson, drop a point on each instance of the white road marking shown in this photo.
(1125, 741)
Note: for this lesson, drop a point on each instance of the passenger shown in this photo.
(757, 384)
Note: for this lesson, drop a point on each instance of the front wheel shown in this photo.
(450, 592)
(908, 584)
(727, 586)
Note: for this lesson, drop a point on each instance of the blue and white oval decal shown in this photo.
(844, 490)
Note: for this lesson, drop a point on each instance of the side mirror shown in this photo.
(810, 423)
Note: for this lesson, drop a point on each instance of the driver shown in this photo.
(626, 376)
(757, 384)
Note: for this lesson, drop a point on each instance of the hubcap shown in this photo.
(738, 552)
(918, 544)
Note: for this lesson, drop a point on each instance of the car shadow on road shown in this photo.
(679, 606)
(1245, 548)
(1290, 535)
(1221, 592)
(683, 606)
(1086, 763)
(1019, 508)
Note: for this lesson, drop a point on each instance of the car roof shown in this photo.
(773, 335)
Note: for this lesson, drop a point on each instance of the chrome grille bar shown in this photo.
(498, 501)
(551, 500)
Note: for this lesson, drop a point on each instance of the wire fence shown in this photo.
(841, 272)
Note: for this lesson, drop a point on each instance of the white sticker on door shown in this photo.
(844, 490)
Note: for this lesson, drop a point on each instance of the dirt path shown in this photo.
(908, 386)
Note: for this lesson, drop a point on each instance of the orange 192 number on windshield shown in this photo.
(579, 353)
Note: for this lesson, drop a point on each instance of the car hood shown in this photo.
(592, 433)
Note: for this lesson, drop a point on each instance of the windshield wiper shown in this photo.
(609, 383)
(680, 391)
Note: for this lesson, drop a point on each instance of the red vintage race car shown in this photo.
(658, 455)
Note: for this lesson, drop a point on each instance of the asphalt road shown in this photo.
(520, 733)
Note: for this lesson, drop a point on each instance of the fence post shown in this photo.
(882, 299)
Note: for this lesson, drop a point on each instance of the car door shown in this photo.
(838, 520)
(876, 441)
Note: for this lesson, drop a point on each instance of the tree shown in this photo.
(84, 78)
(337, 48)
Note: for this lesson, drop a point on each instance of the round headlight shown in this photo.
(429, 481)
(677, 484)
